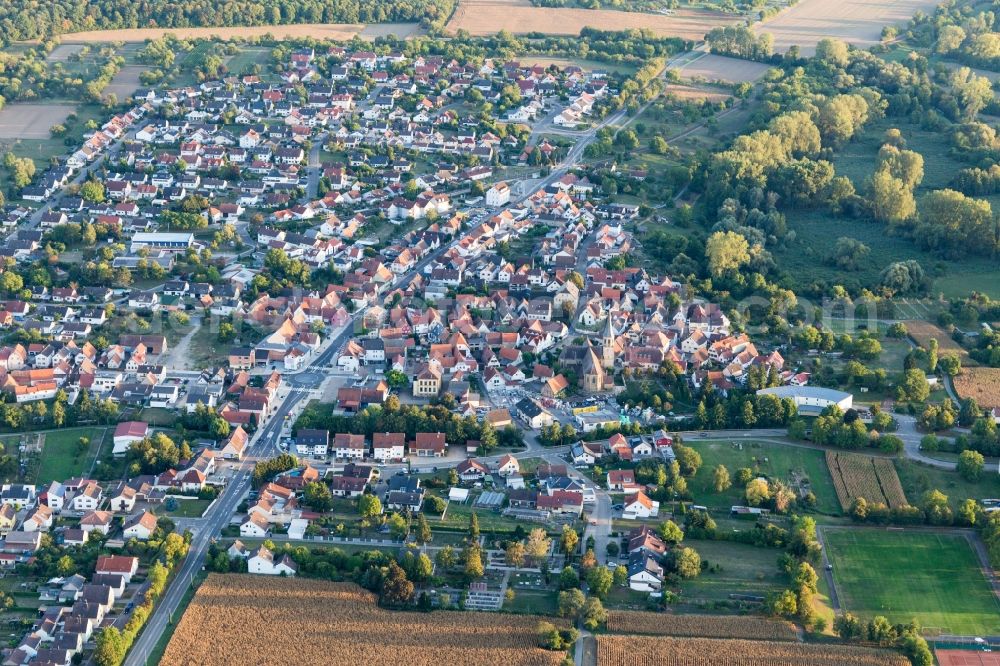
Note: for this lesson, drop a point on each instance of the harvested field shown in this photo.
(705, 626)
(334, 31)
(695, 93)
(983, 384)
(872, 478)
(710, 67)
(922, 332)
(125, 82)
(31, 121)
(338, 623)
(487, 17)
(653, 651)
(857, 22)
(63, 52)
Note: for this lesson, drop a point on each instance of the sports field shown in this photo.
(904, 575)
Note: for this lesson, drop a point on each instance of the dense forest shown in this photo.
(32, 19)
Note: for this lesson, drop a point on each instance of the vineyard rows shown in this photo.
(874, 479)
(658, 650)
(240, 619)
(707, 626)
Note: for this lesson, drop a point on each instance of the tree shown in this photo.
(670, 532)
(889, 198)
(972, 92)
(757, 492)
(600, 580)
(317, 496)
(515, 554)
(832, 51)
(445, 558)
(970, 465)
(955, 225)
(783, 604)
(474, 561)
(369, 508)
(687, 562)
(423, 532)
(111, 647)
(92, 191)
(569, 540)
(914, 387)
(473, 527)
(538, 545)
(397, 590)
(726, 250)
(593, 614)
(568, 578)
(397, 525)
(720, 478)
(571, 603)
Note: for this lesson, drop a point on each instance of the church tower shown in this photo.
(608, 345)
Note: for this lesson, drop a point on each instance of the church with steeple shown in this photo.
(596, 364)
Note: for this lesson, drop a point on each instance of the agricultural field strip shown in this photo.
(856, 475)
(487, 17)
(703, 626)
(857, 22)
(323, 622)
(983, 384)
(922, 332)
(650, 651)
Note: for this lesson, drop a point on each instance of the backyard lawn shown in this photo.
(771, 459)
(744, 569)
(188, 508)
(905, 575)
(61, 459)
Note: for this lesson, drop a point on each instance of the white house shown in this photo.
(140, 526)
(388, 446)
(498, 195)
(262, 562)
(255, 526)
(645, 574)
(508, 466)
(640, 506)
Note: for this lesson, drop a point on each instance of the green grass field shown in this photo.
(918, 479)
(933, 578)
(187, 508)
(247, 58)
(60, 459)
(771, 459)
(745, 569)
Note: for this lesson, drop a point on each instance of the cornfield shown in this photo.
(874, 479)
(983, 384)
(707, 626)
(245, 619)
(658, 650)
